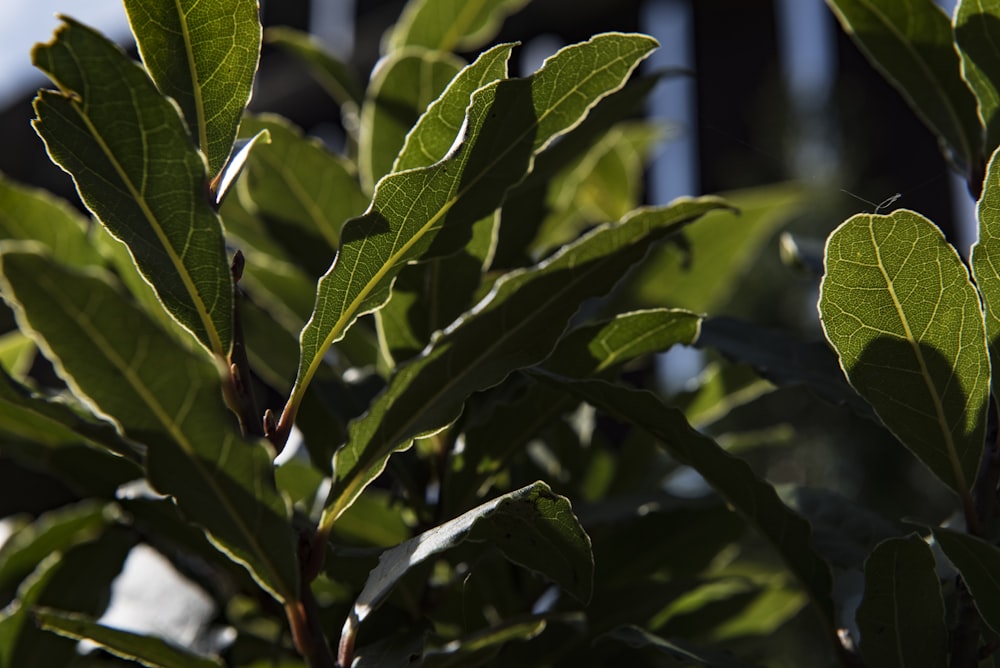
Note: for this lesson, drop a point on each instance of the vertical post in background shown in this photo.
(332, 21)
(674, 171)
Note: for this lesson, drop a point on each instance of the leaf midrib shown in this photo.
(942, 419)
(159, 412)
(199, 103)
(140, 200)
(430, 398)
(348, 313)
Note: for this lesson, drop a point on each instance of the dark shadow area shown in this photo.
(887, 373)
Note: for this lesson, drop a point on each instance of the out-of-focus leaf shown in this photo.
(520, 322)
(978, 562)
(135, 167)
(79, 580)
(51, 424)
(437, 128)
(603, 184)
(54, 531)
(844, 532)
(704, 275)
(203, 55)
(529, 202)
(508, 122)
(17, 352)
(449, 25)
(782, 359)
(145, 649)
(532, 527)
(402, 86)
(333, 74)
(976, 24)
(901, 617)
(680, 652)
(297, 181)
(721, 388)
(912, 43)
(31, 214)
(590, 349)
(730, 476)
(166, 397)
(898, 306)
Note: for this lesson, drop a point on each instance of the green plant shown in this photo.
(438, 319)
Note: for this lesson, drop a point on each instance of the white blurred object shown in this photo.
(151, 597)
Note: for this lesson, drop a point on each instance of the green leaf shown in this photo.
(145, 649)
(705, 274)
(507, 122)
(449, 25)
(591, 349)
(77, 579)
(203, 55)
(730, 476)
(338, 80)
(985, 269)
(166, 397)
(911, 42)
(402, 87)
(297, 181)
(53, 424)
(31, 214)
(515, 327)
(898, 306)
(532, 527)
(134, 166)
(782, 359)
(437, 128)
(979, 564)
(976, 25)
(901, 618)
(54, 531)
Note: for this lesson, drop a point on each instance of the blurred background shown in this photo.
(774, 93)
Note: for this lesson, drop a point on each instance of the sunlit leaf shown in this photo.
(515, 327)
(508, 122)
(134, 166)
(163, 396)
(203, 55)
(449, 25)
(901, 618)
(899, 308)
(986, 250)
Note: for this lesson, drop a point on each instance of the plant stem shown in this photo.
(239, 365)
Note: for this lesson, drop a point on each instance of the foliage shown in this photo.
(395, 406)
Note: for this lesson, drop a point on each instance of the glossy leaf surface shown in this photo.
(134, 167)
(516, 326)
(507, 123)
